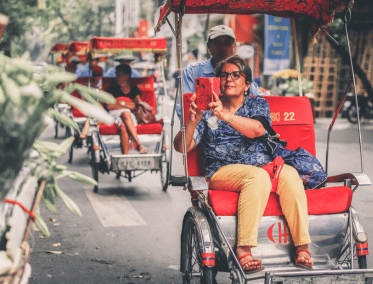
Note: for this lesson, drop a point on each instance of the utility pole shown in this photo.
(126, 16)
(118, 17)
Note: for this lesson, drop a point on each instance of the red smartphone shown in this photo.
(204, 88)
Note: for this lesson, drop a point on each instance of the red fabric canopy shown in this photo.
(320, 11)
(65, 58)
(114, 45)
(58, 47)
(76, 48)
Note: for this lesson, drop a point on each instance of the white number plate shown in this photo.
(136, 163)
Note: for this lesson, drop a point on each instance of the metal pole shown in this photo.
(229, 246)
(332, 124)
(164, 84)
(178, 22)
(118, 17)
(351, 238)
(296, 50)
(347, 20)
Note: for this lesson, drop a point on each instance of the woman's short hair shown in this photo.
(240, 63)
(124, 68)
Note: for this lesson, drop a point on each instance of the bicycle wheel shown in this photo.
(95, 159)
(362, 261)
(69, 133)
(165, 167)
(56, 128)
(352, 114)
(191, 255)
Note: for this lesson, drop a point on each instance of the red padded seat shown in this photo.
(82, 81)
(292, 118)
(151, 128)
(321, 201)
(77, 113)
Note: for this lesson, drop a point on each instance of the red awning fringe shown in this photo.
(321, 12)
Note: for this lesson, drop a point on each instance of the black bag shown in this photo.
(309, 167)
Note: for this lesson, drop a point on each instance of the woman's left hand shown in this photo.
(217, 108)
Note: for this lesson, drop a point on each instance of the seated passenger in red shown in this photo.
(233, 157)
(121, 110)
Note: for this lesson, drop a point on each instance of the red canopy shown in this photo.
(319, 11)
(114, 45)
(76, 48)
(58, 47)
(65, 58)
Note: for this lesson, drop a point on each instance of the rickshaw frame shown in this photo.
(79, 49)
(205, 232)
(101, 160)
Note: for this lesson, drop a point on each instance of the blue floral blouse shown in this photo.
(223, 145)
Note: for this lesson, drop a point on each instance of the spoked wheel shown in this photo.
(56, 128)
(191, 255)
(362, 261)
(165, 167)
(352, 114)
(94, 167)
(95, 159)
(69, 133)
(345, 253)
(129, 176)
(119, 174)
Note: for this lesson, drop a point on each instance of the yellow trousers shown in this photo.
(254, 185)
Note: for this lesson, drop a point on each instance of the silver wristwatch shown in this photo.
(123, 103)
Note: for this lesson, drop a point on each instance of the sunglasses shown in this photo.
(235, 75)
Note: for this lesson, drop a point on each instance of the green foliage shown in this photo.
(20, 14)
(59, 21)
(23, 106)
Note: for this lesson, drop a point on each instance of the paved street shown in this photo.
(130, 232)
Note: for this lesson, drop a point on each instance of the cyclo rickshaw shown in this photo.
(209, 236)
(67, 51)
(58, 48)
(76, 49)
(104, 141)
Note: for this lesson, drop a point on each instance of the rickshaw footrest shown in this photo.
(178, 180)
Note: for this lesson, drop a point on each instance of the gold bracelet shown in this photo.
(231, 120)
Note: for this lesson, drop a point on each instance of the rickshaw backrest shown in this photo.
(81, 81)
(291, 118)
(146, 86)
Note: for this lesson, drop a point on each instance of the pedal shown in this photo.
(178, 180)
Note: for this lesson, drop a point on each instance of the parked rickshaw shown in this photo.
(67, 51)
(56, 49)
(76, 49)
(104, 142)
(208, 239)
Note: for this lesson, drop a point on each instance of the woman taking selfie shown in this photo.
(233, 157)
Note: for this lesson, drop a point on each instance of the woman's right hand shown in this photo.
(195, 114)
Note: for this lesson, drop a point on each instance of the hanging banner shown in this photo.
(276, 44)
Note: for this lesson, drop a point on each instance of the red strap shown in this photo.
(32, 215)
(274, 169)
(302, 250)
(243, 256)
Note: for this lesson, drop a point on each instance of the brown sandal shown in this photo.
(257, 268)
(296, 259)
(143, 149)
